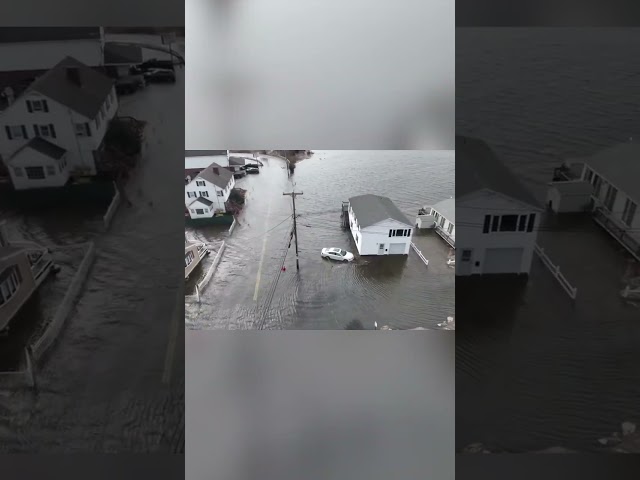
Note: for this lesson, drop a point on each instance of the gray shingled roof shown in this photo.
(370, 209)
(118, 54)
(220, 179)
(447, 208)
(620, 165)
(47, 34)
(86, 98)
(204, 200)
(478, 167)
(42, 146)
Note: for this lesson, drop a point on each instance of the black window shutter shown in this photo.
(8, 132)
(29, 107)
(45, 106)
(88, 129)
(532, 219)
(53, 130)
(24, 132)
(390, 232)
(36, 130)
(487, 221)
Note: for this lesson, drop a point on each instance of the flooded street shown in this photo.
(399, 291)
(114, 381)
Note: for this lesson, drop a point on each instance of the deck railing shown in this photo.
(447, 238)
(422, 257)
(617, 231)
(555, 271)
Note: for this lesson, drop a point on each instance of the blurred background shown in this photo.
(320, 74)
(326, 405)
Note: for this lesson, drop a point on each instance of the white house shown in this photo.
(378, 227)
(207, 191)
(607, 183)
(69, 107)
(23, 267)
(498, 217)
(442, 218)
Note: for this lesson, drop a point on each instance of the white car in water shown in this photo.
(337, 254)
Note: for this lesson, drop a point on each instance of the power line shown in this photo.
(293, 195)
(274, 284)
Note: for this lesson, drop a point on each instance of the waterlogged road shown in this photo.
(115, 380)
(397, 291)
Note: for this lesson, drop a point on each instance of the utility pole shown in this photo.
(295, 228)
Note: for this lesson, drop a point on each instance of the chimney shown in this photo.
(73, 75)
(216, 170)
(9, 95)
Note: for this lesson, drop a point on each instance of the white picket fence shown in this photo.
(555, 271)
(422, 257)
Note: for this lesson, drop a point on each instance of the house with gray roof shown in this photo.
(607, 184)
(69, 108)
(442, 218)
(497, 216)
(378, 227)
(207, 191)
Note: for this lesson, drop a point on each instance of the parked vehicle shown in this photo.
(155, 63)
(251, 169)
(239, 174)
(131, 84)
(337, 254)
(158, 75)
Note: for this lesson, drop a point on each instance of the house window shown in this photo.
(37, 106)
(391, 233)
(10, 280)
(83, 129)
(532, 220)
(204, 193)
(199, 211)
(450, 228)
(34, 173)
(200, 183)
(356, 238)
(193, 210)
(487, 224)
(16, 131)
(409, 233)
(51, 170)
(191, 195)
(206, 210)
(588, 175)
(45, 130)
(17, 171)
(220, 193)
(188, 259)
(629, 212)
(495, 223)
(509, 223)
(466, 255)
(523, 223)
(610, 198)
(597, 185)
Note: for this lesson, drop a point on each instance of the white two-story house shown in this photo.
(63, 115)
(497, 218)
(207, 191)
(378, 227)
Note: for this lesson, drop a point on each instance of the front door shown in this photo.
(381, 249)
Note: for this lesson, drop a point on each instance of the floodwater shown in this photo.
(114, 381)
(543, 373)
(399, 291)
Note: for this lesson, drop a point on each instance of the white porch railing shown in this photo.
(447, 238)
(422, 257)
(555, 271)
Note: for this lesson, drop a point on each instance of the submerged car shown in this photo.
(251, 169)
(337, 254)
